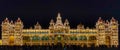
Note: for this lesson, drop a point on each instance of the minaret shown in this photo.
(18, 32)
(100, 26)
(59, 20)
(5, 31)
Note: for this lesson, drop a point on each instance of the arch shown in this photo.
(35, 38)
(82, 38)
(59, 38)
(108, 40)
(27, 38)
(73, 38)
(11, 39)
(92, 38)
(45, 38)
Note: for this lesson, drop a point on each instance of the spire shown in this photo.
(107, 22)
(66, 22)
(80, 26)
(37, 26)
(51, 22)
(37, 23)
(100, 19)
(58, 16)
(6, 20)
(59, 20)
(18, 20)
(113, 19)
(11, 21)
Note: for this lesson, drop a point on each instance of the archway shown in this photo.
(59, 40)
(108, 40)
(11, 40)
(91, 38)
(82, 38)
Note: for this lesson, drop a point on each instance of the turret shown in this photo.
(100, 26)
(37, 26)
(80, 26)
(19, 24)
(6, 20)
(51, 26)
(59, 23)
(114, 32)
(18, 30)
(66, 24)
(5, 27)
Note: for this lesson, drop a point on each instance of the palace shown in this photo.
(104, 33)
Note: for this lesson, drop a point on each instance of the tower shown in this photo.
(18, 32)
(5, 31)
(114, 32)
(51, 26)
(66, 26)
(59, 23)
(107, 33)
(100, 26)
(11, 33)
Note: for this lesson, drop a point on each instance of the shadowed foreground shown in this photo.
(55, 47)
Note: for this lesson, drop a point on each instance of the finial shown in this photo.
(51, 21)
(100, 19)
(11, 21)
(113, 19)
(37, 23)
(107, 21)
(59, 16)
(6, 19)
(66, 20)
(18, 20)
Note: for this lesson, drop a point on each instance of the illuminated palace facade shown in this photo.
(104, 33)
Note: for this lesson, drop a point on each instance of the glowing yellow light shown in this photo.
(0, 42)
(11, 39)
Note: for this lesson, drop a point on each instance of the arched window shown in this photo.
(35, 38)
(27, 38)
(82, 38)
(92, 38)
(108, 39)
(73, 38)
(45, 38)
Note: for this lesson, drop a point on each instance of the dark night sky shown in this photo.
(76, 11)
